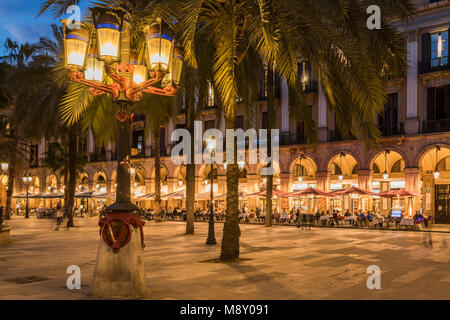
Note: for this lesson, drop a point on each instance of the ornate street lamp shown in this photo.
(27, 181)
(211, 146)
(5, 166)
(104, 48)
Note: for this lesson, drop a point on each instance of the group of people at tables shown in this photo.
(329, 217)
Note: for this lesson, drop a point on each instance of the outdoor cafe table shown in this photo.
(377, 220)
(407, 222)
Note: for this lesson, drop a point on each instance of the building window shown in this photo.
(300, 171)
(388, 120)
(264, 121)
(239, 123)
(138, 141)
(439, 49)
(210, 101)
(438, 103)
(210, 124)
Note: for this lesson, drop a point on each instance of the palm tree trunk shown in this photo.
(72, 176)
(270, 125)
(190, 184)
(11, 177)
(231, 230)
(190, 198)
(157, 146)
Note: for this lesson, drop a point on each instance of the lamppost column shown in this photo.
(211, 234)
(27, 208)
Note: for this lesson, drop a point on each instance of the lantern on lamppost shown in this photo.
(76, 44)
(4, 166)
(108, 24)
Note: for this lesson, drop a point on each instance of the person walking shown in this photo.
(59, 216)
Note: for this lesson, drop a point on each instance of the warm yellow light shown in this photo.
(439, 46)
(436, 174)
(94, 69)
(76, 45)
(5, 166)
(140, 74)
(132, 171)
(300, 179)
(159, 46)
(108, 40)
(341, 177)
(385, 175)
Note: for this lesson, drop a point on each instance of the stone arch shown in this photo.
(425, 151)
(377, 153)
(310, 163)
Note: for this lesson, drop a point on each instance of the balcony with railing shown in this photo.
(309, 86)
(396, 130)
(288, 138)
(433, 65)
(440, 125)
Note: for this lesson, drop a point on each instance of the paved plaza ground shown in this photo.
(278, 263)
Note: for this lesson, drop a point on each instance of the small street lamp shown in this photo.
(211, 145)
(5, 166)
(27, 181)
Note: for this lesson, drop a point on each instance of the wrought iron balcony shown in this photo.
(433, 65)
(440, 125)
(309, 86)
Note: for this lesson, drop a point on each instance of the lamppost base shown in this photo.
(211, 241)
(120, 274)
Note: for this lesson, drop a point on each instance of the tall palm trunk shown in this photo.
(157, 146)
(72, 176)
(270, 125)
(11, 177)
(190, 167)
(231, 230)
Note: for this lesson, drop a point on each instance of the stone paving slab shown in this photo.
(279, 262)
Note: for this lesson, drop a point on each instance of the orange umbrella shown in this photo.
(352, 190)
(306, 192)
(277, 193)
(399, 193)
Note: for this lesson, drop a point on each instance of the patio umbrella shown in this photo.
(277, 193)
(83, 195)
(104, 195)
(179, 195)
(150, 196)
(306, 192)
(352, 190)
(203, 196)
(242, 196)
(399, 193)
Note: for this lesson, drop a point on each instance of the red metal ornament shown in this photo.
(117, 227)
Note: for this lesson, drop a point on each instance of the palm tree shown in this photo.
(21, 85)
(60, 160)
(325, 33)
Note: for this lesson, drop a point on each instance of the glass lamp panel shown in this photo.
(75, 51)
(94, 69)
(108, 41)
(159, 46)
(177, 66)
(140, 74)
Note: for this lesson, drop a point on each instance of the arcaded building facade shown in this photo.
(414, 152)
